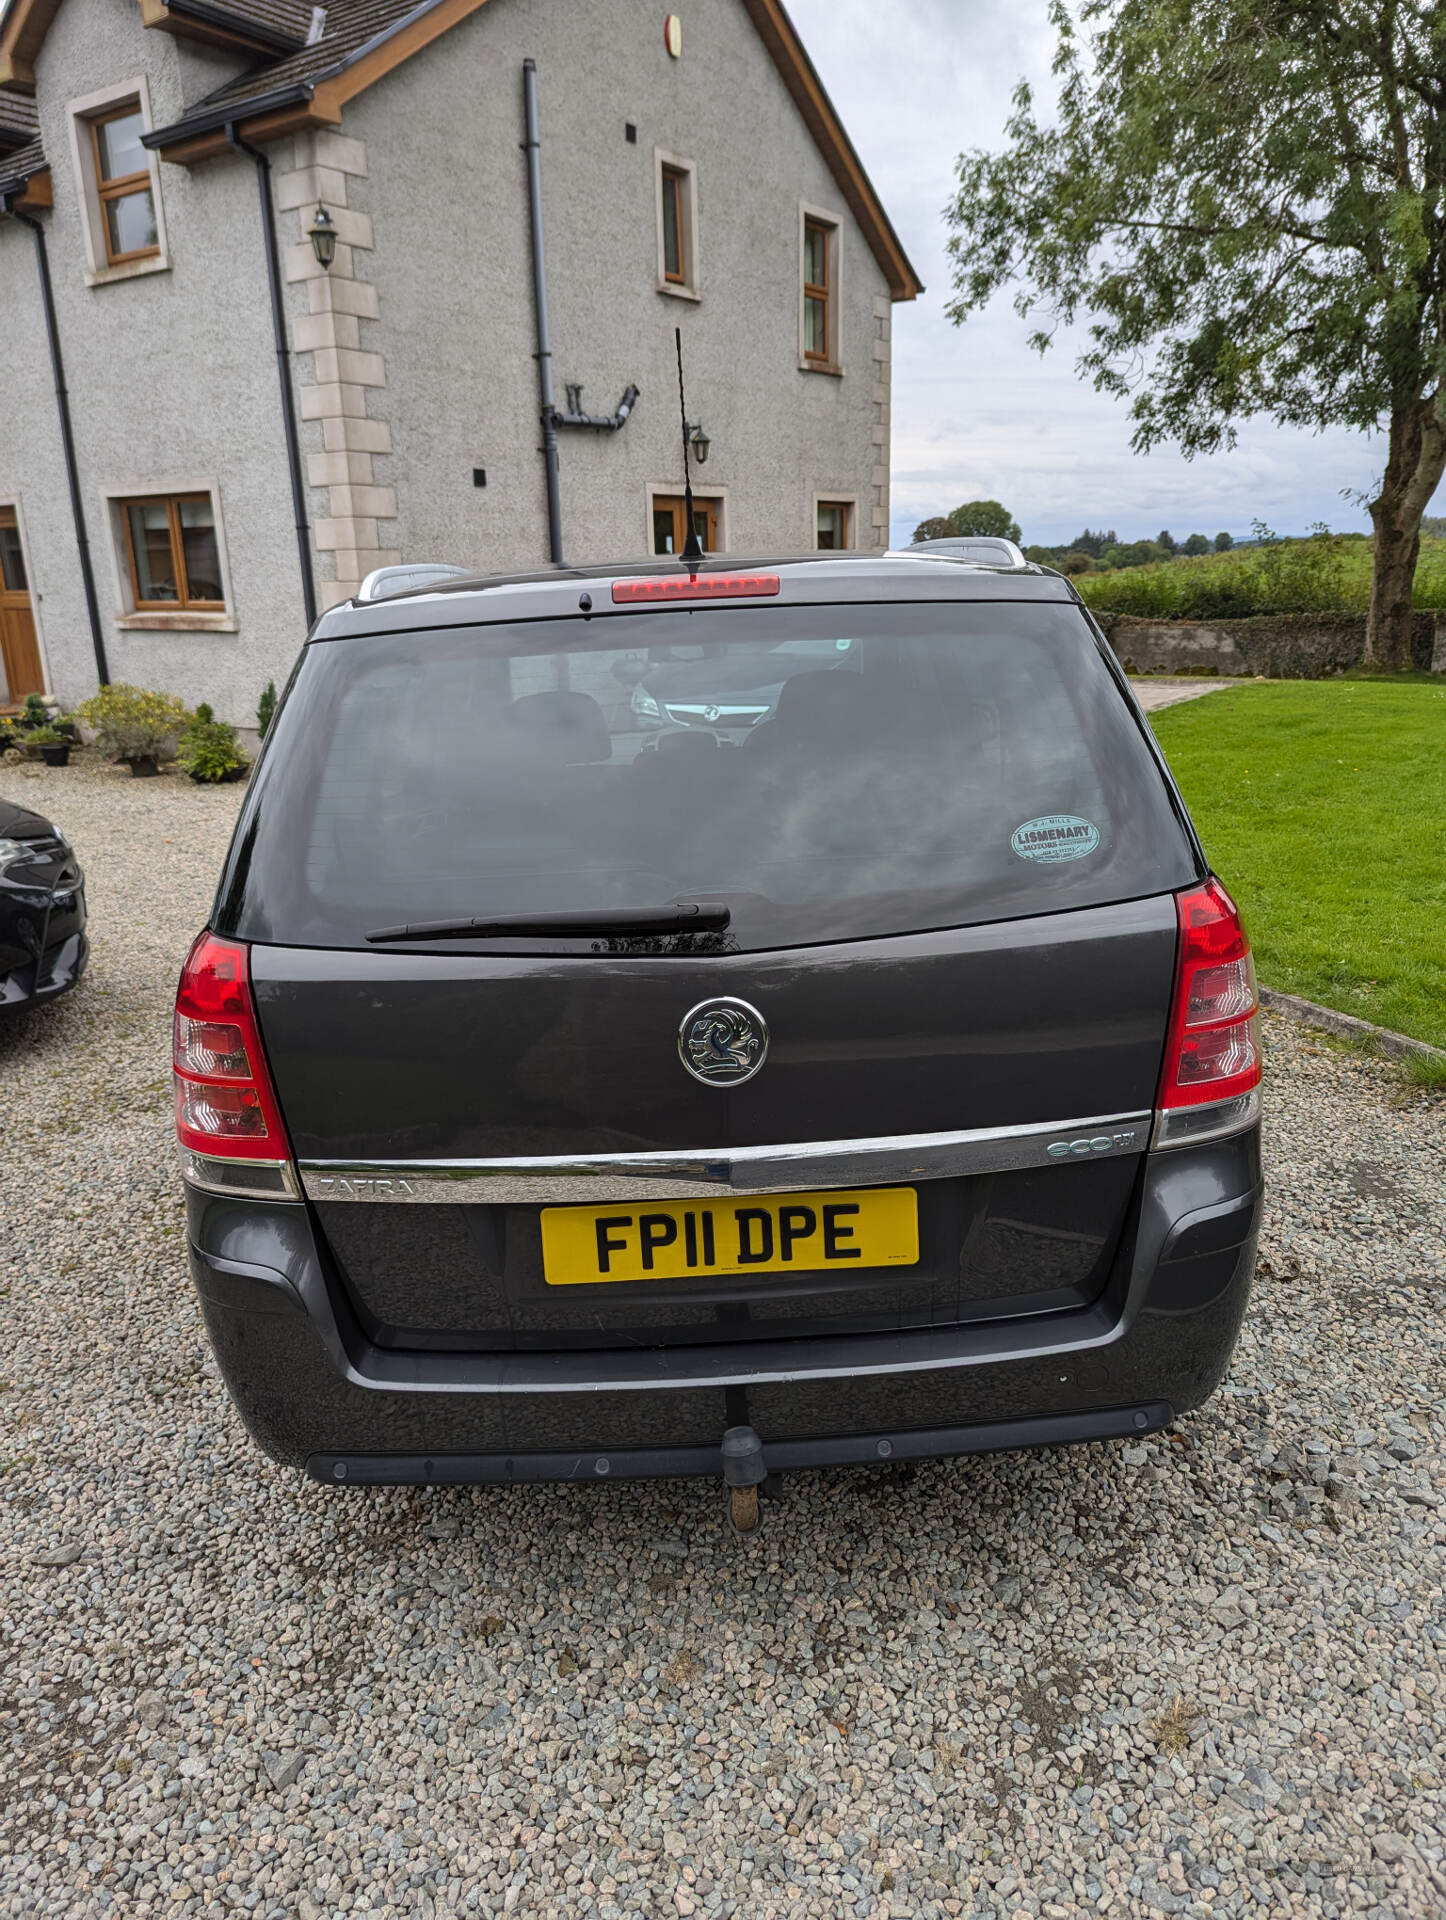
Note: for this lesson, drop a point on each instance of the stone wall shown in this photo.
(1287, 646)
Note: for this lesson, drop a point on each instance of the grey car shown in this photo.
(557, 1100)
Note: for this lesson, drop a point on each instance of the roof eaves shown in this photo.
(231, 112)
(216, 112)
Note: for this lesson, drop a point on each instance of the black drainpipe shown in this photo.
(67, 438)
(533, 147)
(283, 367)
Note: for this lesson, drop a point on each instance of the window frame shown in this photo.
(673, 172)
(850, 504)
(123, 187)
(828, 291)
(185, 601)
(161, 616)
(84, 116)
(713, 499)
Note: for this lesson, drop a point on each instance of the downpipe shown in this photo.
(67, 438)
(552, 416)
(283, 366)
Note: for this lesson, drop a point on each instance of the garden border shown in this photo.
(1307, 1013)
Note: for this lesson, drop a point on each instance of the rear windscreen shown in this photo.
(826, 772)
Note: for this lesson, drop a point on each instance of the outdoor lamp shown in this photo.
(323, 237)
(700, 444)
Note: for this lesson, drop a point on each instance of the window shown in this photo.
(675, 250)
(677, 226)
(118, 183)
(818, 325)
(172, 552)
(670, 523)
(833, 525)
(123, 184)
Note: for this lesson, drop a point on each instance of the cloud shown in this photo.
(976, 411)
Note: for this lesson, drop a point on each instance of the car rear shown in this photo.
(43, 944)
(937, 1131)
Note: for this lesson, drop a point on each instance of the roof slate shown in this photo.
(19, 121)
(350, 24)
(289, 17)
(21, 165)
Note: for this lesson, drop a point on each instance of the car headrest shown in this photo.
(561, 729)
(824, 708)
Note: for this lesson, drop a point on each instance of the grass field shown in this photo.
(1328, 573)
(1322, 806)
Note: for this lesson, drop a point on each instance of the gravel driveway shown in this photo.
(1200, 1675)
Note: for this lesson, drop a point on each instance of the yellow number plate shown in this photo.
(686, 1239)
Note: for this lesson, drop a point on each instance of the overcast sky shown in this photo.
(976, 412)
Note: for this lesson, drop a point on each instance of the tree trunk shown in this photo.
(1414, 465)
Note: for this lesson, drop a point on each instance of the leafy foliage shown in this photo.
(46, 736)
(1245, 196)
(209, 749)
(974, 517)
(1324, 573)
(266, 708)
(132, 723)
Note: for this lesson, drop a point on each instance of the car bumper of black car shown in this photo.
(315, 1394)
(26, 981)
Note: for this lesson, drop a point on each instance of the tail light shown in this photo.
(696, 586)
(1209, 1082)
(227, 1118)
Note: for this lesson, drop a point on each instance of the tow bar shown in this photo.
(744, 1472)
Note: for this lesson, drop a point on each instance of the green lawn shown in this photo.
(1322, 806)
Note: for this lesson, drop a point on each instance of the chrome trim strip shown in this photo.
(244, 1179)
(1212, 1120)
(699, 1174)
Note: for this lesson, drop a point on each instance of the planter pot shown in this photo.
(58, 755)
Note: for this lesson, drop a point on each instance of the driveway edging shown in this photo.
(1306, 1013)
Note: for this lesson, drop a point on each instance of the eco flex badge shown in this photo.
(1054, 837)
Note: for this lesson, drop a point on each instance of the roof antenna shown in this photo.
(692, 547)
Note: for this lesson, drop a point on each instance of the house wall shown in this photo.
(444, 194)
(413, 359)
(172, 377)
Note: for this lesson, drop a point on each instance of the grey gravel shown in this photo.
(1198, 1675)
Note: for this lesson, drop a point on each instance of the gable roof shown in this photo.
(362, 40)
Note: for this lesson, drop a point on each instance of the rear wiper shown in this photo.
(606, 920)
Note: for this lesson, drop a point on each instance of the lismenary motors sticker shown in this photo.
(1054, 837)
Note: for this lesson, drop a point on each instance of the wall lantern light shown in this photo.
(700, 444)
(323, 237)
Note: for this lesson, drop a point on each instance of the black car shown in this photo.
(43, 948)
(881, 1084)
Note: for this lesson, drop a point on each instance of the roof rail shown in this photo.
(382, 582)
(979, 549)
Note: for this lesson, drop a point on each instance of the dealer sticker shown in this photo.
(1054, 837)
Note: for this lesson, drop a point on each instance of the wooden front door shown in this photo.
(670, 523)
(19, 654)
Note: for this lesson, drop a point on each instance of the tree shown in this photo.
(1197, 543)
(1167, 540)
(975, 516)
(1248, 197)
(1223, 542)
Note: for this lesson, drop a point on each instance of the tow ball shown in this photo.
(744, 1472)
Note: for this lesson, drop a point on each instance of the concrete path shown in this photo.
(1154, 693)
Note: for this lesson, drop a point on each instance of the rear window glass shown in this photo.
(826, 772)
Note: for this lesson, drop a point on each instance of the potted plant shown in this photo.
(135, 726)
(209, 749)
(50, 743)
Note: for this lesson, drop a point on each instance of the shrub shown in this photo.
(36, 713)
(266, 708)
(209, 749)
(133, 724)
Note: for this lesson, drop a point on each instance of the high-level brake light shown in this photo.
(696, 586)
(1212, 1052)
(226, 1107)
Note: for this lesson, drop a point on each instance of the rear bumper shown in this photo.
(315, 1394)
